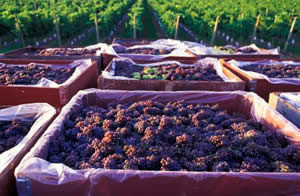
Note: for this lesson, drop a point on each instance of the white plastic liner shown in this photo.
(292, 98)
(166, 42)
(200, 49)
(96, 46)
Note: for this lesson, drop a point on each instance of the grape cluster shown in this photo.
(168, 72)
(62, 52)
(12, 132)
(126, 69)
(149, 51)
(173, 136)
(275, 71)
(30, 74)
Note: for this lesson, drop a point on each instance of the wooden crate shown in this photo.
(262, 86)
(144, 58)
(19, 54)
(166, 85)
(13, 156)
(50, 181)
(55, 96)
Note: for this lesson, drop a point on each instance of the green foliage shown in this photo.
(150, 70)
(151, 73)
(136, 10)
(36, 17)
(137, 75)
(237, 17)
(112, 15)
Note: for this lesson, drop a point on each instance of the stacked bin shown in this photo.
(61, 53)
(250, 52)
(42, 114)
(260, 83)
(23, 101)
(178, 52)
(108, 79)
(59, 179)
(36, 175)
(85, 76)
